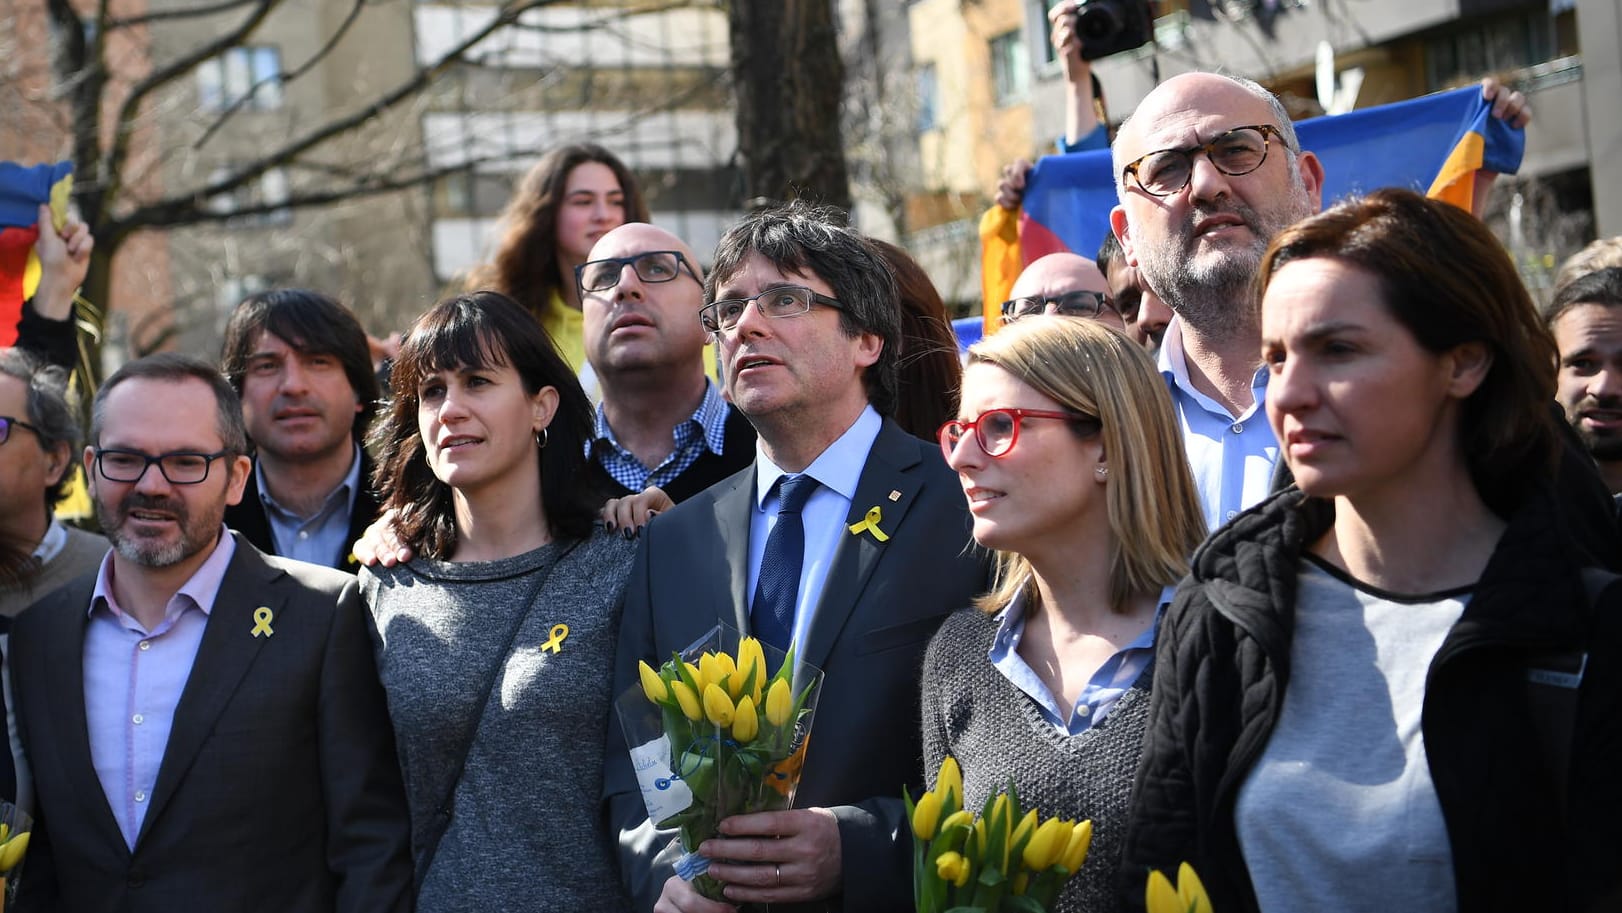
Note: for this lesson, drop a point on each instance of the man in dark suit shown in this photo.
(806, 317)
(205, 723)
(300, 363)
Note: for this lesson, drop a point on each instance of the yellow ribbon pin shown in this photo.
(555, 644)
(261, 621)
(871, 524)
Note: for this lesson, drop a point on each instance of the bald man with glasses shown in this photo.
(662, 423)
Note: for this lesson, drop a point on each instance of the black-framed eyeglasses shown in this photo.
(179, 467)
(1236, 152)
(7, 423)
(783, 301)
(997, 430)
(651, 266)
(1070, 304)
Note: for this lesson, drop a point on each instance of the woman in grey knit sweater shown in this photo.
(1076, 477)
(496, 645)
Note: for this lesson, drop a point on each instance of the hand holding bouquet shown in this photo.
(717, 730)
(1007, 859)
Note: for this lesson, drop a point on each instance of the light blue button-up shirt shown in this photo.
(322, 537)
(133, 679)
(837, 471)
(1102, 692)
(1232, 458)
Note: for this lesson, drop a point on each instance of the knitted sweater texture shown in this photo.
(525, 831)
(998, 734)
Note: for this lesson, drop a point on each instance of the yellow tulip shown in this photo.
(698, 677)
(1075, 849)
(745, 721)
(5, 831)
(12, 851)
(1191, 891)
(952, 867)
(687, 700)
(779, 703)
(950, 779)
(1025, 828)
(709, 668)
(1047, 844)
(1160, 897)
(756, 660)
(926, 815)
(717, 706)
(960, 818)
(1021, 882)
(652, 685)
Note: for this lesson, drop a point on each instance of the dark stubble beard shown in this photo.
(1213, 295)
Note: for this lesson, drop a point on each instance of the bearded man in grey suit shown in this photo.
(205, 722)
(807, 321)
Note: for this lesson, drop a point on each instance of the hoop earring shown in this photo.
(541, 437)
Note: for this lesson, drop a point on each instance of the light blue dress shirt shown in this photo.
(1102, 692)
(1232, 458)
(837, 469)
(133, 679)
(316, 539)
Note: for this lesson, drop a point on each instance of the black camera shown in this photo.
(1111, 26)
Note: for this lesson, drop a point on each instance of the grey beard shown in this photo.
(1216, 301)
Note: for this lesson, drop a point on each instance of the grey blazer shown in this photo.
(880, 604)
(279, 788)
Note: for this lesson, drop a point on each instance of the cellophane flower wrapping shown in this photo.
(719, 729)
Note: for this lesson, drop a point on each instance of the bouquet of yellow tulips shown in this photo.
(1007, 859)
(15, 826)
(719, 729)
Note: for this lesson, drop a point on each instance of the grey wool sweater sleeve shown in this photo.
(525, 830)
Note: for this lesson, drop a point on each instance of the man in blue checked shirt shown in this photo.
(661, 423)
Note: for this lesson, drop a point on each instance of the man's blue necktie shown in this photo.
(778, 587)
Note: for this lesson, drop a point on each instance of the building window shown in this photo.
(269, 188)
(251, 73)
(928, 98)
(1463, 55)
(1010, 68)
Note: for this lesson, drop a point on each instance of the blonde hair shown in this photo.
(1598, 255)
(1153, 507)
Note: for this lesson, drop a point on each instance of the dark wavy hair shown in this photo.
(309, 322)
(1449, 282)
(525, 266)
(930, 371)
(805, 238)
(480, 329)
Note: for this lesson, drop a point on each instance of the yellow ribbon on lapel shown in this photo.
(870, 524)
(555, 642)
(262, 617)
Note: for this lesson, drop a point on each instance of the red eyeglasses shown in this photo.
(997, 430)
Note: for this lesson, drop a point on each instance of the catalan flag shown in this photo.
(1436, 143)
(22, 190)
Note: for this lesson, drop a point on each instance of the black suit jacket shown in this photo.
(279, 788)
(248, 517)
(880, 604)
(737, 454)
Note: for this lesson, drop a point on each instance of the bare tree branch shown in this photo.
(284, 78)
(124, 128)
(406, 90)
(195, 211)
(210, 9)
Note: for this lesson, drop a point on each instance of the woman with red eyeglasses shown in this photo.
(1070, 457)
